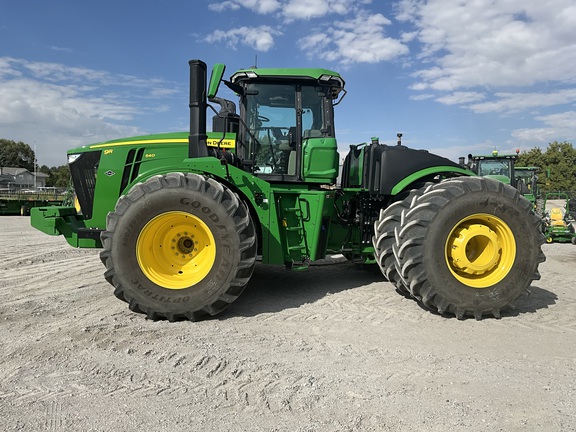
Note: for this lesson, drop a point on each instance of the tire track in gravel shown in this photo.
(37, 285)
(28, 254)
(339, 293)
(242, 384)
(542, 310)
(73, 269)
(342, 294)
(89, 362)
(548, 310)
(333, 344)
(224, 379)
(55, 418)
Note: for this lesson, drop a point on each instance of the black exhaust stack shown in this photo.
(197, 138)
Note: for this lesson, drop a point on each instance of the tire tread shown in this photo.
(221, 195)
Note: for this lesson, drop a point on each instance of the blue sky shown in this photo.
(455, 77)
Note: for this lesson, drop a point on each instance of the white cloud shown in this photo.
(516, 102)
(489, 43)
(7, 69)
(258, 6)
(224, 6)
(61, 49)
(259, 38)
(502, 57)
(358, 40)
(355, 40)
(57, 72)
(458, 98)
(306, 9)
(70, 106)
(453, 148)
(557, 127)
(422, 96)
(29, 100)
(61, 115)
(292, 9)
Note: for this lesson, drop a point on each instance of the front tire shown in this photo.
(179, 246)
(469, 246)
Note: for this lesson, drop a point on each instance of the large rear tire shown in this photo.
(385, 229)
(179, 246)
(468, 246)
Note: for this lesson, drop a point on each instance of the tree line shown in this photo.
(20, 155)
(557, 164)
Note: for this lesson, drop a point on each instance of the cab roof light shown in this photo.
(326, 78)
(239, 75)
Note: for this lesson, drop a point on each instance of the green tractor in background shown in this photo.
(558, 223)
(181, 218)
(527, 183)
(502, 167)
(495, 166)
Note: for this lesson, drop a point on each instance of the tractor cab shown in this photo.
(285, 128)
(527, 182)
(498, 167)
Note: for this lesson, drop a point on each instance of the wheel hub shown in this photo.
(184, 244)
(475, 249)
(480, 250)
(176, 250)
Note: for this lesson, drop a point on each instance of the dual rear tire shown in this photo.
(467, 246)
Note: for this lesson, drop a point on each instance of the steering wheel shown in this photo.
(263, 119)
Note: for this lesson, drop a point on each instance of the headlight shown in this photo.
(73, 157)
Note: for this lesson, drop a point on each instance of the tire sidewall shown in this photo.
(520, 275)
(152, 204)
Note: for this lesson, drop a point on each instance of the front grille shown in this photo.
(83, 171)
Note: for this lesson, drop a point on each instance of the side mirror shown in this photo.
(215, 79)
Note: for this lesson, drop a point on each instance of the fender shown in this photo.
(388, 170)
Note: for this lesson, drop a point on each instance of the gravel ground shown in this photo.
(331, 349)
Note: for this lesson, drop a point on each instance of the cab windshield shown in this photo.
(500, 167)
(278, 117)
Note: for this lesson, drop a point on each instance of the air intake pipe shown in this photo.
(197, 138)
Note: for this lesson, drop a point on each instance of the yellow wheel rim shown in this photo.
(548, 239)
(480, 250)
(175, 250)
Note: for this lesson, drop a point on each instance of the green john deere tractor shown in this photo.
(181, 218)
(495, 166)
(502, 167)
(527, 182)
